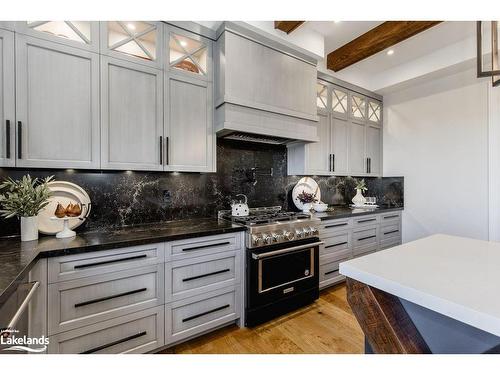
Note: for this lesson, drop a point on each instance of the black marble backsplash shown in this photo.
(126, 198)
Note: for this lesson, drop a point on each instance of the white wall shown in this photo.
(436, 136)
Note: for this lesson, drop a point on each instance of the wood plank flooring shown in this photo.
(327, 326)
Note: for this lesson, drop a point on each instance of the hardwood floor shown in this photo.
(327, 326)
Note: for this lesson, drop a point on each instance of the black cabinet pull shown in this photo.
(92, 301)
(166, 150)
(366, 221)
(109, 261)
(205, 313)
(391, 217)
(392, 231)
(161, 150)
(365, 238)
(329, 272)
(105, 346)
(206, 246)
(370, 159)
(19, 139)
(330, 160)
(206, 275)
(333, 162)
(7, 138)
(337, 244)
(335, 225)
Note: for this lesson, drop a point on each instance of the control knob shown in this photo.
(288, 235)
(314, 231)
(299, 233)
(307, 232)
(276, 237)
(256, 240)
(267, 239)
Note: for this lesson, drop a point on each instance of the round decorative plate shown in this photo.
(65, 193)
(308, 185)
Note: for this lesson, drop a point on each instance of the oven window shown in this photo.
(286, 268)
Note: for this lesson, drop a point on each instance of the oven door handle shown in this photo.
(284, 251)
(15, 319)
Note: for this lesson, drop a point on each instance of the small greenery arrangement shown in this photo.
(307, 197)
(24, 198)
(361, 185)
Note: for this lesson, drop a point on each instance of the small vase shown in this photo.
(358, 199)
(29, 228)
(307, 207)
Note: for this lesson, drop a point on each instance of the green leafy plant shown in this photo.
(361, 185)
(25, 197)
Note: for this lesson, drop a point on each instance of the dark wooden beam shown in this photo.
(287, 26)
(384, 321)
(377, 39)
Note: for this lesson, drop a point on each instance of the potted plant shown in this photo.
(359, 199)
(307, 200)
(25, 198)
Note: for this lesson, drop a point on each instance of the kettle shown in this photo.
(240, 208)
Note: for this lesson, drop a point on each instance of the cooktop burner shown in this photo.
(266, 218)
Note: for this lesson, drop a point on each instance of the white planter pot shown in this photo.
(29, 228)
(358, 199)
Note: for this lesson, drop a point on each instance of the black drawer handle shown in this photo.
(7, 139)
(105, 346)
(205, 313)
(337, 244)
(392, 231)
(365, 238)
(206, 246)
(110, 297)
(161, 150)
(206, 275)
(390, 217)
(366, 221)
(109, 261)
(335, 225)
(330, 272)
(19, 140)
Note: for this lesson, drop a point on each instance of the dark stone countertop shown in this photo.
(341, 212)
(17, 258)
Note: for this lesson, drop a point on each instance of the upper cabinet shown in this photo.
(136, 41)
(189, 54)
(57, 105)
(79, 34)
(7, 102)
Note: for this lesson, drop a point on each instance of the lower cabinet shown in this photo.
(138, 300)
(349, 238)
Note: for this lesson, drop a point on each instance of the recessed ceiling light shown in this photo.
(390, 52)
(130, 26)
(183, 43)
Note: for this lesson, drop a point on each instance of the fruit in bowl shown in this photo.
(320, 207)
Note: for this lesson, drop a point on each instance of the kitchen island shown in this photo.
(435, 295)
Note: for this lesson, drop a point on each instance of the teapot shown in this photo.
(240, 208)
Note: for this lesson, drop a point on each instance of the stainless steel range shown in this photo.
(281, 261)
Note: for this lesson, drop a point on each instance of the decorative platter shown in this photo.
(308, 185)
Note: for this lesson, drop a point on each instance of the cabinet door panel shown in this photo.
(373, 149)
(189, 127)
(57, 91)
(132, 115)
(7, 106)
(357, 149)
(318, 153)
(340, 140)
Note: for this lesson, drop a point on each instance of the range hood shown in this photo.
(265, 89)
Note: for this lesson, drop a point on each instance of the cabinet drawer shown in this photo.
(365, 220)
(333, 226)
(76, 303)
(196, 247)
(189, 277)
(390, 231)
(139, 332)
(69, 267)
(365, 240)
(390, 217)
(193, 316)
(329, 273)
(340, 242)
(391, 242)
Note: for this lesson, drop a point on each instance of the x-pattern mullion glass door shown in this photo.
(189, 54)
(374, 112)
(339, 102)
(358, 107)
(321, 96)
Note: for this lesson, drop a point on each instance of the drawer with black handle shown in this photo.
(391, 231)
(365, 240)
(195, 247)
(390, 217)
(329, 273)
(75, 303)
(70, 267)
(332, 226)
(338, 243)
(194, 276)
(365, 220)
(192, 316)
(139, 332)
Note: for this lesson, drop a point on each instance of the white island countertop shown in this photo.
(454, 276)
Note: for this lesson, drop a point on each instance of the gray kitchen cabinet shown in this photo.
(339, 145)
(78, 34)
(317, 153)
(357, 159)
(135, 41)
(131, 116)
(374, 149)
(7, 101)
(57, 105)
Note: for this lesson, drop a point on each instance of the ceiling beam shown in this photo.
(375, 40)
(287, 26)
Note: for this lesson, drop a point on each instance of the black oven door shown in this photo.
(278, 272)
